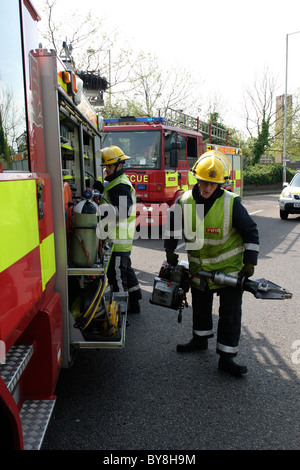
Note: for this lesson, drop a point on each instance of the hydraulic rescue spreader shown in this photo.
(172, 284)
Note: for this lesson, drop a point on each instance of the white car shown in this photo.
(289, 200)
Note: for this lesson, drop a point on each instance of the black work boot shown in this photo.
(227, 364)
(197, 343)
(134, 307)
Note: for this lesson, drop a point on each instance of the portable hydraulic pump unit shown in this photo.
(169, 285)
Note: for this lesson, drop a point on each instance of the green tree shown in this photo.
(262, 142)
(130, 108)
(216, 121)
(260, 114)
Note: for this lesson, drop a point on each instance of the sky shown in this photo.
(226, 44)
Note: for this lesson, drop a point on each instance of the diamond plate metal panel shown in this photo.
(16, 359)
(35, 416)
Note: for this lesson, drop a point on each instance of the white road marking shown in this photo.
(255, 212)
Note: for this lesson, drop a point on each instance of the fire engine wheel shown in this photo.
(283, 214)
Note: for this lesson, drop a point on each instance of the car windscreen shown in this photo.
(296, 180)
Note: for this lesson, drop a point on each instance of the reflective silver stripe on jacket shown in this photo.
(226, 219)
(120, 242)
(210, 241)
(219, 258)
(251, 246)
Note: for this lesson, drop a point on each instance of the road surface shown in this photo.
(147, 396)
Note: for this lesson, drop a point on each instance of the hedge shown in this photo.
(266, 174)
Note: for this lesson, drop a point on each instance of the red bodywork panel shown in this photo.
(31, 313)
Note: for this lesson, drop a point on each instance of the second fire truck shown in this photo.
(162, 154)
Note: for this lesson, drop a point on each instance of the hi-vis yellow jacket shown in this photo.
(212, 243)
(122, 228)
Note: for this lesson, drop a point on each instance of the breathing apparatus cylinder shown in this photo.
(85, 240)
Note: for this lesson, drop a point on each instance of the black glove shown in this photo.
(172, 258)
(99, 186)
(247, 270)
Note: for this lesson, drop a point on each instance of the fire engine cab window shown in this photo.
(144, 147)
(192, 151)
(174, 141)
(13, 129)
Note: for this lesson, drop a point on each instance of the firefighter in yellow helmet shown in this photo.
(113, 155)
(229, 244)
(119, 192)
(212, 167)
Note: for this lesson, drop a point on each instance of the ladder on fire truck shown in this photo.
(181, 119)
(93, 84)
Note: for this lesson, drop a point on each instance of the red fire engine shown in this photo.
(162, 154)
(53, 286)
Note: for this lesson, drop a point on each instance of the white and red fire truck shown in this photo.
(53, 287)
(162, 154)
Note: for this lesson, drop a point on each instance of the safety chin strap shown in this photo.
(116, 166)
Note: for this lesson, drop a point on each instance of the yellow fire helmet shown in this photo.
(213, 166)
(113, 154)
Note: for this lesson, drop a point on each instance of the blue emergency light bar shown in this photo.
(134, 119)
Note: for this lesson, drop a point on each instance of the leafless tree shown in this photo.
(12, 117)
(132, 76)
(259, 103)
(161, 88)
(92, 49)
